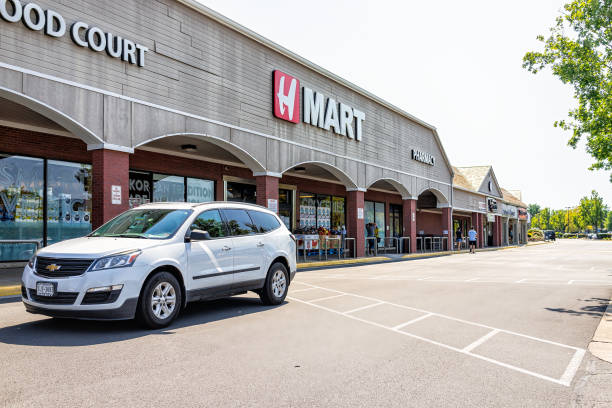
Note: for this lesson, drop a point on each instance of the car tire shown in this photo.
(276, 287)
(160, 301)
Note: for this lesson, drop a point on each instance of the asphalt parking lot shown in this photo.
(505, 328)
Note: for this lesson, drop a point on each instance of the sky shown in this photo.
(455, 65)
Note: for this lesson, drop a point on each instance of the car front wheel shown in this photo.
(160, 301)
(276, 286)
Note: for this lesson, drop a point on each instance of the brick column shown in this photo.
(267, 189)
(355, 227)
(110, 168)
(496, 234)
(447, 224)
(480, 230)
(409, 220)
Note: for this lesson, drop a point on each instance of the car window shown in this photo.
(210, 221)
(239, 222)
(264, 222)
(151, 223)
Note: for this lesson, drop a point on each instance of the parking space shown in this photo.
(541, 358)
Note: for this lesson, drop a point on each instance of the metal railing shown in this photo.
(327, 247)
(345, 248)
(394, 244)
(402, 246)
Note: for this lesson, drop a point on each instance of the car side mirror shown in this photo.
(199, 235)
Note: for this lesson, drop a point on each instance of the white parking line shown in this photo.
(565, 379)
(418, 319)
(301, 290)
(328, 297)
(359, 309)
(480, 341)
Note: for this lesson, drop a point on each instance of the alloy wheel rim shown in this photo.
(279, 284)
(163, 300)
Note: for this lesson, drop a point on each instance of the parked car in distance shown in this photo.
(149, 262)
(549, 235)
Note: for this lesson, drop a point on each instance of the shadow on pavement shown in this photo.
(595, 308)
(53, 332)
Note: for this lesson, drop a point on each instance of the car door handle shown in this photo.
(226, 248)
(260, 244)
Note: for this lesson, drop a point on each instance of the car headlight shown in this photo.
(121, 260)
(32, 262)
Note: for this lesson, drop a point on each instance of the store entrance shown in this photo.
(395, 220)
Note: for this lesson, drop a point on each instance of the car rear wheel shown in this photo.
(160, 301)
(276, 286)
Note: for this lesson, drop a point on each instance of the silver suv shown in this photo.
(149, 262)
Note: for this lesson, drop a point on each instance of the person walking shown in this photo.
(472, 235)
(370, 236)
(459, 237)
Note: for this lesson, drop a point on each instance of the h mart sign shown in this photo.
(317, 110)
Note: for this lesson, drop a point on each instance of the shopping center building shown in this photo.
(107, 105)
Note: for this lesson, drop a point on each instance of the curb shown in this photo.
(315, 264)
(382, 259)
(601, 344)
(10, 290)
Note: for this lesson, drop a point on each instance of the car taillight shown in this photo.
(293, 238)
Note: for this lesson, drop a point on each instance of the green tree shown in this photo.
(542, 219)
(558, 220)
(579, 51)
(609, 221)
(592, 210)
(533, 209)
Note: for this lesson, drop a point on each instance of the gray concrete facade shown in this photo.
(209, 78)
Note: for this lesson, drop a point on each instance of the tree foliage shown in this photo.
(579, 51)
(593, 211)
(533, 209)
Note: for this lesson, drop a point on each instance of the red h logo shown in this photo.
(286, 97)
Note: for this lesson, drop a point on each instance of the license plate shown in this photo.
(45, 289)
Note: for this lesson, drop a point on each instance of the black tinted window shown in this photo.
(264, 222)
(210, 221)
(239, 222)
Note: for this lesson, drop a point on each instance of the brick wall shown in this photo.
(28, 143)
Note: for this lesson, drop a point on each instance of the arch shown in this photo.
(396, 184)
(439, 196)
(335, 171)
(251, 162)
(53, 114)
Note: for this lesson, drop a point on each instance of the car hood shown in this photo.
(96, 247)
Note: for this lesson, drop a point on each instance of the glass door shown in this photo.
(285, 207)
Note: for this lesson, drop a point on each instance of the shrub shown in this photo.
(535, 234)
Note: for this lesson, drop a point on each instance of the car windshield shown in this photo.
(154, 223)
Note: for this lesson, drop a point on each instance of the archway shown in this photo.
(55, 116)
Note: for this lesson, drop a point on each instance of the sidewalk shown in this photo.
(10, 278)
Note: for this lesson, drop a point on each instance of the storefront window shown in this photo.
(324, 211)
(168, 188)
(338, 214)
(308, 211)
(200, 191)
(321, 211)
(285, 207)
(141, 188)
(68, 200)
(375, 213)
(146, 187)
(244, 193)
(21, 205)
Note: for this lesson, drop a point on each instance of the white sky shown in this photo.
(455, 65)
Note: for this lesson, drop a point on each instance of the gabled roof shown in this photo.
(475, 175)
(459, 180)
(509, 198)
